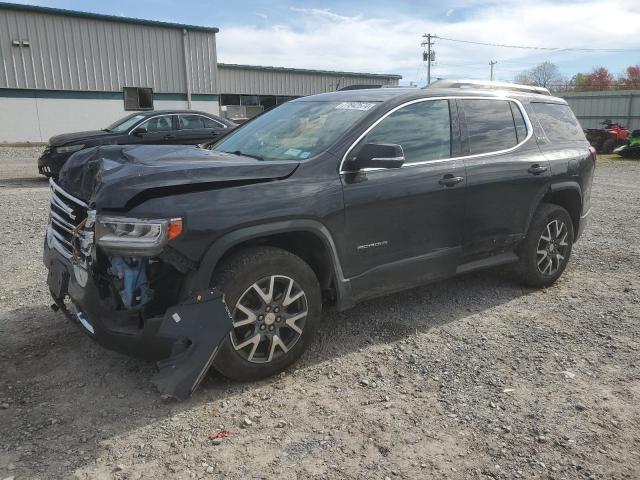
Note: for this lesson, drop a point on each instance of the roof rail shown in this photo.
(480, 84)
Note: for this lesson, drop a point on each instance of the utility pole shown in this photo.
(492, 63)
(429, 55)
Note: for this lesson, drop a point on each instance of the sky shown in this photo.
(385, 37)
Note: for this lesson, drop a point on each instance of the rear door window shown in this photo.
(159, 124)
(490, 125)
(558, 122)
(423, 130)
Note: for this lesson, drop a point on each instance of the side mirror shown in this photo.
(377, 155)
(138, 132)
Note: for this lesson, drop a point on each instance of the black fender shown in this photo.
(200, 279)
(554, 188)
(566, 185)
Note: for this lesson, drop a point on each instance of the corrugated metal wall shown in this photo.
(274, 81)
(76, 53)
(591, 108)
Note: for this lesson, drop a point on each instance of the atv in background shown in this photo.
(632, 148)
(605, 140)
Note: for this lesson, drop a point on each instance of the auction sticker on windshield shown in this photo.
(355, 105)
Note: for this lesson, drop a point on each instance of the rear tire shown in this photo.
(271, 330)
(545, 251)
(608, 145)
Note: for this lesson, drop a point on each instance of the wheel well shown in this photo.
(306, 245)
(568, 199)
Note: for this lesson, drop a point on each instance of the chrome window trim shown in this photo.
(420, 100)
(172, 114)
(148, 119)
(388, 158)
(200, 115)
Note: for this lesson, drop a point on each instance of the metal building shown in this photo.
(591, 108)
(63, 71)
(267, 86)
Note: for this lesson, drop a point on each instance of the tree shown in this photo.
(522, 79)
(599, 79)
(631, 78)
(580, 82)
(544, 75)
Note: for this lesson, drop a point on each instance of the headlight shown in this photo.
(133, 236)
(69, 148)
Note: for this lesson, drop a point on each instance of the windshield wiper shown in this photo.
(238, 152)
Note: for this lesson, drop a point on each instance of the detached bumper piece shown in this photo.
(183, 340)
(198, 328)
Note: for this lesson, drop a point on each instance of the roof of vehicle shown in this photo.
(145, 114)
(491, 85)
(408, 94)
(151, 113)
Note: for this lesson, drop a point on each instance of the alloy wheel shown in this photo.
(552, 247)
(269, 318)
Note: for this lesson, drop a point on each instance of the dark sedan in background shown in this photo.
(164, 127)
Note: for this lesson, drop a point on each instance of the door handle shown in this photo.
(537, 169)
(449, 180)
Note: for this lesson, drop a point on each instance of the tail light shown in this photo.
(594, 156)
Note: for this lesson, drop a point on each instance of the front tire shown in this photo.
(545, 251)
(275, 301)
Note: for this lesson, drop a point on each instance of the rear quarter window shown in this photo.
(210, 123)
(558, 122)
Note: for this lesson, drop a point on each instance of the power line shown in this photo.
(526, 47)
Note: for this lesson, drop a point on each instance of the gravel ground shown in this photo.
(474, 377)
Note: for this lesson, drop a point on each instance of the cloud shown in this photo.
(325, 13)
(449, 12)
(390, 43)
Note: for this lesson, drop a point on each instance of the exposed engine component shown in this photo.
(131, 277)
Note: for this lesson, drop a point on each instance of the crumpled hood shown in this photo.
(79, 137)
(116, 177)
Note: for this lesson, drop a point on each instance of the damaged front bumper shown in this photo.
(184, 340)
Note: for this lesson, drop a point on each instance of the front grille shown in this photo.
(67, 213)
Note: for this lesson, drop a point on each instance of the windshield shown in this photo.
(294, 130)
(124, 124)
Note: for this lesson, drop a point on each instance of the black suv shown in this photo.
(325, 200)
(158, 127)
